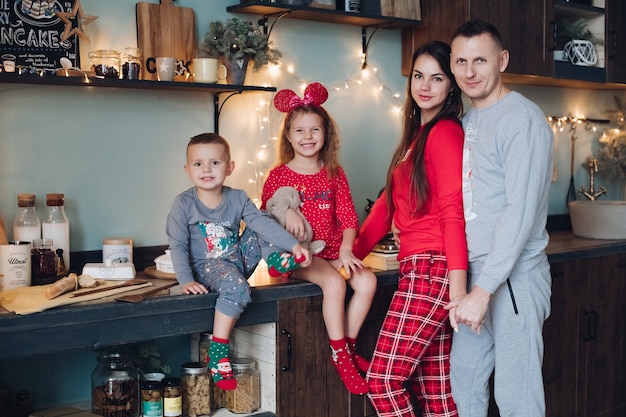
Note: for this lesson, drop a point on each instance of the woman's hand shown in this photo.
(194, 288)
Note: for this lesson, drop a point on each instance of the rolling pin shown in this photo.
(3, 233)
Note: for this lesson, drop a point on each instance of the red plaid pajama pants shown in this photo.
(413, 348)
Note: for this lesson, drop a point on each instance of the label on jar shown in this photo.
(152, 409)
(118, 250)
(172, 406)
(15, 265)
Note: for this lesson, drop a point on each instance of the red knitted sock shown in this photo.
(361, 363)
(340, 357)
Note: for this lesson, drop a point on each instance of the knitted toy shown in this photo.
(288, 198)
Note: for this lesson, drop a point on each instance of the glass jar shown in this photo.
(151, 399)
(246, 398)
(105, 63)
(172, 398)
(131, 64)
(44, 262)
(196, 390)
(218, 396)
(56, 226)
(26, 224)
(115, 386)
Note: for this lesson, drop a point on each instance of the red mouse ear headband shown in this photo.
(286, 100)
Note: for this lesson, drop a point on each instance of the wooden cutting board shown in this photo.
(165, 30)
(405, 9)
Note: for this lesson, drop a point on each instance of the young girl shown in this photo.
(423, 201)
(307, 161)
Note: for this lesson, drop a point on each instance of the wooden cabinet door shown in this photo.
(525, 27)
(306, 381)
(561, 336)
(615, 46)
(603, 341)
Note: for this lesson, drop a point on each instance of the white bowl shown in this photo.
(164, 263)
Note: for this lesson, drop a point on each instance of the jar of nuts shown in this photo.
(217, 394)
(151, 399)
(196, 390)
(115, 386)
(172, 397)
(246, 398)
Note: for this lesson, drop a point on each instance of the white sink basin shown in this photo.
(598, 219)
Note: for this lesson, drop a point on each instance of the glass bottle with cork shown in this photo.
(26, 224)
(56, 225)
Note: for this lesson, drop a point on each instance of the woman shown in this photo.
(423, 201)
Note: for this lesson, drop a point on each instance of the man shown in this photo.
(506, 177)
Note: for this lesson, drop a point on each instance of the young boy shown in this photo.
(208, 251)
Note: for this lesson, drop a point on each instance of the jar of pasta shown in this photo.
(172, 397)
(196, 390)
(246, 398)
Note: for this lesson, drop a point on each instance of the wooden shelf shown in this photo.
(572, 9)
(135, 84)
(321, 15)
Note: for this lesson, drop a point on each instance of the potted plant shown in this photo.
(237, 42)
(577, 42)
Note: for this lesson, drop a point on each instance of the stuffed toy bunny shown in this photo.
(288, 198)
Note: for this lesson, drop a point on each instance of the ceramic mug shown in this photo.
(208, 70)
(8, 62)
(165, 68)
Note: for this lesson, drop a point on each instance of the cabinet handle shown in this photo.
(554, 36)
(592, 325)
(288, 367)
(613, 43)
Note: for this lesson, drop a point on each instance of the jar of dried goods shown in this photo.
(196, 390)
(131, 64)
(151, 399)
(172, 397)
(246, 398)
(115, 386)
(44, 262)
(217, 394)
(105, 63)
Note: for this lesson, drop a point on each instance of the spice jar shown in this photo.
(218, 396)
(172, 398)
(196, 390)
(131, 64)
(246, 398)
(105, 63)
(115, 386)
(43, 261)
(151, 399)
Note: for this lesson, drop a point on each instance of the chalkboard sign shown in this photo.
(30, 31)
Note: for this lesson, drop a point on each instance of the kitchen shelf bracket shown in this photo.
(365, 41)
(219, 106)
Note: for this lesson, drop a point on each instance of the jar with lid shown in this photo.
(196, 390)
(115, 386)
(131, 64)
(56, 226)
(151, 399)
(118, 249)
(105, 63)
(172, 397)
(246, 398)
(217, 394)
(26, 223)
(44, 262)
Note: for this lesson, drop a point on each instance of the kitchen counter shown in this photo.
(107, 322)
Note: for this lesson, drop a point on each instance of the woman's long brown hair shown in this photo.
(452, 109)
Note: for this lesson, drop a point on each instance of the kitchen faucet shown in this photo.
(592, 194)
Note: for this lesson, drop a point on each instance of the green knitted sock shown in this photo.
(219, 365)
(279, 263)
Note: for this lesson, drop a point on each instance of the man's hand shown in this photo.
(470, 309)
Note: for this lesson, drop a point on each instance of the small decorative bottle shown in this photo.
(56, 226)
(26, 224)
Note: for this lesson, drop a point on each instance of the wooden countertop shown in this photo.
(106, 322)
